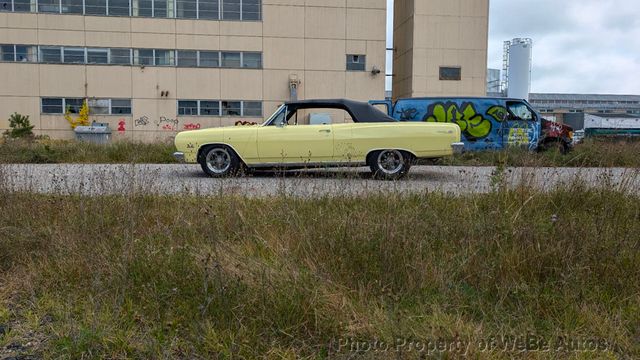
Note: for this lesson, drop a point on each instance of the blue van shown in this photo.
(486, 123)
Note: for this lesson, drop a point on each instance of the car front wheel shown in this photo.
(389, 164)
(219, 161)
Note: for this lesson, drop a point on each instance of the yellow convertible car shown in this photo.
(320, 133)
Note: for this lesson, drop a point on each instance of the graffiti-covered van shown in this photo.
(486, 123)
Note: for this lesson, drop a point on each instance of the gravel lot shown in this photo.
(189, 179)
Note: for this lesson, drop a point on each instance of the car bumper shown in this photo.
(179, 156)
(458, 148)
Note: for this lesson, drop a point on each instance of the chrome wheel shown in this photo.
(390, 161)
(218, 161)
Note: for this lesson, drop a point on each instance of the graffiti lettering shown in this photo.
(519, 136)
(122, 126)
(191, 126)
(245, 123)
(474, 125)
(168, 124)
(141, 121)
(408, 114)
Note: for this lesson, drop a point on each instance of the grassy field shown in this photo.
(230, 277)
(59, 151)
(589, 154)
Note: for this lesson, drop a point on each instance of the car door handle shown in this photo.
(325, 130)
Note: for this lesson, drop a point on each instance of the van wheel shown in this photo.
(219, 161)
(389, 164)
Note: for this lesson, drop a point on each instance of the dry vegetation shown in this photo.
(21, 151)
(591, 153)
(231, 277)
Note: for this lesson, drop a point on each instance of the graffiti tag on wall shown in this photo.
(122, 126)
(141, 121)
(168, 123)
(192, 126)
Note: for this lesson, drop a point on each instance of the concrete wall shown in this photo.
(434, 33)
(308, 39)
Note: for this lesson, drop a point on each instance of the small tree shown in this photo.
(83, 116)
(20, 126)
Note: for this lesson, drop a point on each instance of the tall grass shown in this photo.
(232, 277)
(60, 151)
(591, 153)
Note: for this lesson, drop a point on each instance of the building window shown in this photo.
(450, 73)
(208, 9)
(164, 57)
(96, 106)
(95, 7)
(50, 55)
(209, 108)
(7, 53)
(251, 10)
(161, 8)
(117, 56)
(73, 55)
(71, 7)
(186, 9)
(187, 107)
(252, 108)
(97, 56)
(187, 58)
(52, 106)
(231, 59)
(143, 56)
(209, 59)
(252, 60)
(121, 106)
(219, 108)
(231, 108)
(119, 8)
(73, 105)
(356, 62)
(99, 106)
(231, 9)
(19, 53)
(49, 6)
(120, 56)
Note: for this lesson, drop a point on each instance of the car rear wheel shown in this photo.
(219, 161)
(389, 164)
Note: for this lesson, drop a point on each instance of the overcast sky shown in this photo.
(580, 46)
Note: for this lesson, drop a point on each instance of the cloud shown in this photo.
(581, 46)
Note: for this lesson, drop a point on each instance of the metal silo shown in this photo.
(518, 67)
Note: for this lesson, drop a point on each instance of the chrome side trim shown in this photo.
(179, 156)
(307, 165)
(458, 147)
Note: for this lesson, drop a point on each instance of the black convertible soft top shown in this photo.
(360, 112)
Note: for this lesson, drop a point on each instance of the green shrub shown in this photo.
(19, 126)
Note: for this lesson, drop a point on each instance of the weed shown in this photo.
(225, 276)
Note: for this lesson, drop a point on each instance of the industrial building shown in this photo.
(570, 109)
(440, 48)
(152, 68)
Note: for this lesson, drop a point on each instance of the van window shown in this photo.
(521, 111)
